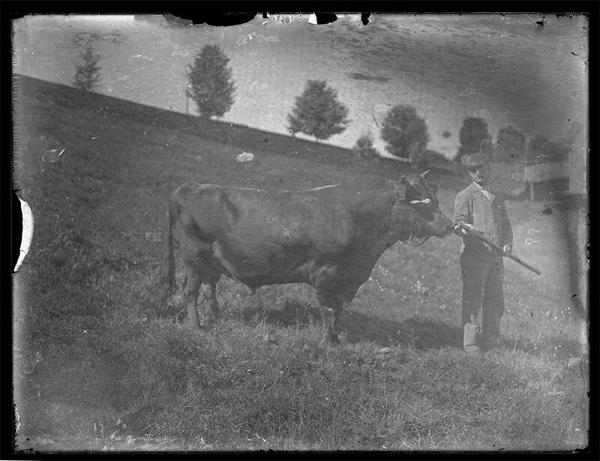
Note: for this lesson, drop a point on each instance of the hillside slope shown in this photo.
(500, 67)
(115, 149)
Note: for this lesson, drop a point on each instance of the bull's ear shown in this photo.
(403, 180)
(424, 174)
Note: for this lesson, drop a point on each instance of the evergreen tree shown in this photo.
(474, 137)
(210, 82)
(87, 74)
(317, 112)
(405, 133)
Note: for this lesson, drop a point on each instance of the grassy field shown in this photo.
(96, 369)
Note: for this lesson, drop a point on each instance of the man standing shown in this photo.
(478, 208)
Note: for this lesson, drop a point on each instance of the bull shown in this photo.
(329, 237)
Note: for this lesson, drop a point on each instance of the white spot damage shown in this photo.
(320, 188)
(245, 157)
(27, 235)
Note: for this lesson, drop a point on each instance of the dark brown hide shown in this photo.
(328, 237)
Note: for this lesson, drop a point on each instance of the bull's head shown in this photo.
(421, 197)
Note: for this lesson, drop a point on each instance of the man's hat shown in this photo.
(474, 161)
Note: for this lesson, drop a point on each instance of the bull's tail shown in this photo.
(170, 276)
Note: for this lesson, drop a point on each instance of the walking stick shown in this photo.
(480, 236)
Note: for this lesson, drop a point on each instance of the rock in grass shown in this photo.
(245, 157)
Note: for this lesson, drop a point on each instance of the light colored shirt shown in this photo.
(486, 193)
(486, 212)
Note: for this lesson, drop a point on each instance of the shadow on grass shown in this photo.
(358, 327)
(419, 333)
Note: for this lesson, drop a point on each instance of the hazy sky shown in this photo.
(503, 68)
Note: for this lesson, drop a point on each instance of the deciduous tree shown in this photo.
(405, 133)
(474, 137)
(510, 144)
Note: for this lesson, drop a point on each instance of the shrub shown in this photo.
(210, 83)
(87, 74)
(405, 133)
(317, 112)
(542, 150)
(364, 149)
(510, 144)
(558, 152)
(432, 158)
(474, 137)
(537, 147)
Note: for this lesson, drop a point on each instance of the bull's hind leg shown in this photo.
(330, 314)
(209, 295)
(192, 284)
(328, 319)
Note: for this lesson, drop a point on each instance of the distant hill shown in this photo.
(37, 98)
(500, 67)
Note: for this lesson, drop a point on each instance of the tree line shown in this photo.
(317, 112)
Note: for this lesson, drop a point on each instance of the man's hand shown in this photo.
(461, 229)
(507, 250)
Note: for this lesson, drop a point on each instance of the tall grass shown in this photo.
(259, 385)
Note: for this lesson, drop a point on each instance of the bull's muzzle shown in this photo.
(443, 225)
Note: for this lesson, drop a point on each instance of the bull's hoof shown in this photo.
(329, 338)
(215, 311)
(195, 327)
(198, 325)
(204, 324)
(334, 338)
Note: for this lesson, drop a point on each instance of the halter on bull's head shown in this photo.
(420, 196)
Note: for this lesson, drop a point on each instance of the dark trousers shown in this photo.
(483, 276)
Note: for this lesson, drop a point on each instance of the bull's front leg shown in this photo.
(209, 303)
(192, 285)
(331, 292)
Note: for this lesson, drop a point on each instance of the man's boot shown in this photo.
(471, 337)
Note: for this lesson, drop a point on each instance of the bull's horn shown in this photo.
(424, 174)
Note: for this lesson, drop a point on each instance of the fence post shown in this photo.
(531, 192)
